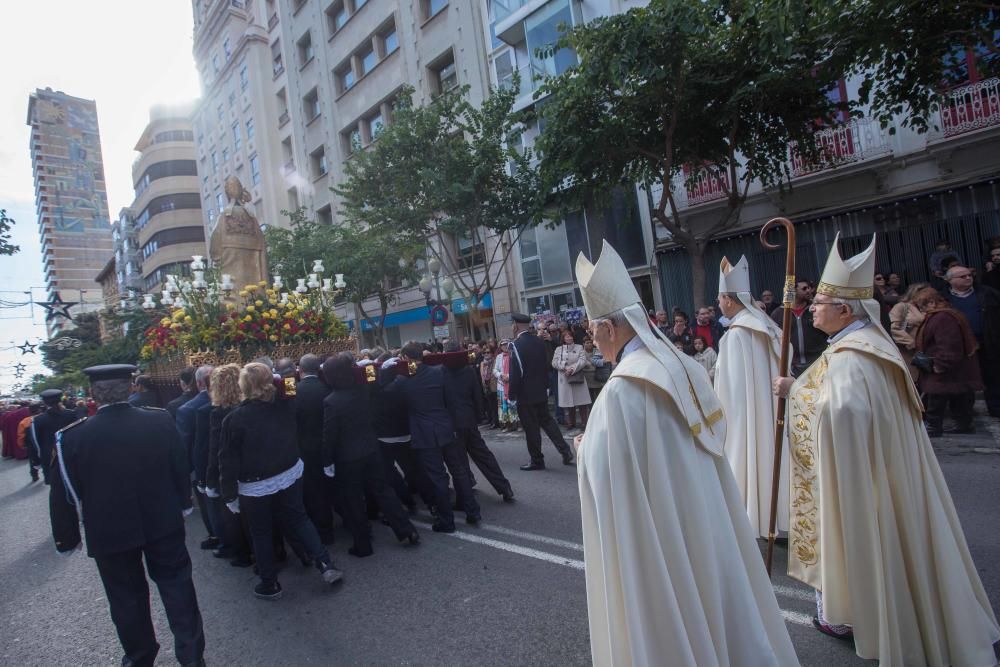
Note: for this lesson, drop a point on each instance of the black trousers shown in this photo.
(960, 405)
(435, 480)
(989, 368)
(472, 441)
(128, 597)
(285, 506)
(235, 533)
(203, 510)
(318, 496)
(491, 408)
(366, 477)
(458, 467)
(403, 479)
(536, 417)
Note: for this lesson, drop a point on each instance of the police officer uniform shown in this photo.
(44, 428)
(124, 472)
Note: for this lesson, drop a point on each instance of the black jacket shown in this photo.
(309, 396)
(147, 399)
(215, 418)
(465, 396)
(390, 414)
(258, 441)
(44, 427)
(529, 372)
(348, 431)
(808, 342)
(175, 404)
(427, 406)
(126, 470)
(202, 435)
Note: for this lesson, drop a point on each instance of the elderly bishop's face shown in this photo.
(603, 334)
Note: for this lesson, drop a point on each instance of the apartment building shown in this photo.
(545, 257)
(70, 198)
(165, 216)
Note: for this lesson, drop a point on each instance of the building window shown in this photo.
(215, 160)
(432, 7)
(236, 136)
(351, 139)
(375, 125)
(255, 170)
(358, 4)
(389, 41)
(310, 105)
(220, 203)
(531, 266)
(541, 30)
(225, 49)
(336, 16)
(225, 155)
(305, 46)
(215, 63)
(277, 66)
(244, 77)
(470, 254)
(367, 59)
(345, 78)
(325, 215)
(444, 75)
(318, 162)
(249, 129)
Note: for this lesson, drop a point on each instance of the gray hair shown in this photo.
(106, 392)
(264, 360)
(202, 374)
(954, 267)
(857, 307)
(617, 318)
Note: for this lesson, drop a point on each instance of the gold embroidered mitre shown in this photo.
(605, 286)
(853, 278)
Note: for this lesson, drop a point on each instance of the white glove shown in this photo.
(365, 362)
(328, 471)
(234, 506)
(188, 512)
(201, 489)
(211, 493)
(390, 362)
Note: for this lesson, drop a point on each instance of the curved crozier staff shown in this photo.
(788, 298)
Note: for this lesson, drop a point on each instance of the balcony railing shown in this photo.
(970, 107)
(856, 140)
(504, 8)
(705, 185)
(530, 79)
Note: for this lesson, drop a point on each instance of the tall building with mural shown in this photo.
(70, 199)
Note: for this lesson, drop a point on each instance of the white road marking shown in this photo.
(784, 591)
(514, 548)
(533, 537)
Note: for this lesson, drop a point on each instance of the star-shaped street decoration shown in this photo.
(27, 348)
(19, 368)
(57, 308)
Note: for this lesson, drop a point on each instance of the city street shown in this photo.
(509, 592)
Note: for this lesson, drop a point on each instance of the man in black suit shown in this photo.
(188, 391)
(465, 403)
(432, 436)
(317, 489)
(529, 379)
(126, 470)
(44, 428)
(145, 393)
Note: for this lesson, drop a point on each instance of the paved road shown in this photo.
(510, 592)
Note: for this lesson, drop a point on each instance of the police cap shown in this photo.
(51, 396)
(110, 372)
(520, 318)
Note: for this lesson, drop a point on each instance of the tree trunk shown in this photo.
(696, 252)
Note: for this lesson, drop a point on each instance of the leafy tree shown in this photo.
(6, 248)
(120, 349)
(908, 51)
(720, 85)
(444, 174)
(368, 258)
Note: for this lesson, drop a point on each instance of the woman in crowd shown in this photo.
(506, 413)
(260, 474)
(570, 360)
(351, 453)
(904, 320)
(704, 355)
(949, 368)
(888, 295)
(597, 370)
(224, 390)
(490, 382)
(895, 282)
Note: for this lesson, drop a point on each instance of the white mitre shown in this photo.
(853, 278)
(607, 288)
(735, 281)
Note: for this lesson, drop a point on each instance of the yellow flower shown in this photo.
(273, 338)
(178, 315)
(267, 327)
(165, 322)
(230, 306)
(243, 293)
(175, 326)
(250, 309)
(301, 320)
(263, 283)
(187, 319)
(251, 288)
(247, 318)
(274, 313)
(287, 326)
(258, 303)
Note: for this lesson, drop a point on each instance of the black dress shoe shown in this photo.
(413, 538)
(533, 466)
(508, 497)
(270, 591)
(473, 520)
(442, 527)
(210, 543)
(361, 553)
(569, 461)
(241, 561)
(224, 553)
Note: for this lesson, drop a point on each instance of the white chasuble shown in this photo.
(674, 573)
(747, 366)
(873, 525)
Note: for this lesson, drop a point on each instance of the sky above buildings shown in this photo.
(127, 55)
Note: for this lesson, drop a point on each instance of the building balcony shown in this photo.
(970, 107)
(509, 15)
(705, 185)
(857, 140)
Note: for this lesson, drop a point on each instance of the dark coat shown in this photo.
(465, 396)
(147, 399)
(427, 406)
(215, 418)
(187, 423)
(529, 371)
(174, 405)
(391, 417)
(258, 441)
(44, 427)
(348, 431)
(808, 342)
(309, 396)
(202, 435)
(956, 370)
(126, 469)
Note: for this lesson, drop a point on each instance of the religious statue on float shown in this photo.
(237, 243)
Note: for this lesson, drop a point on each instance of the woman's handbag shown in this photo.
(575, 378)
(923, 362)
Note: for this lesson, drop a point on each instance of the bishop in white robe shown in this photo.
(744, 373)
(674, 574)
